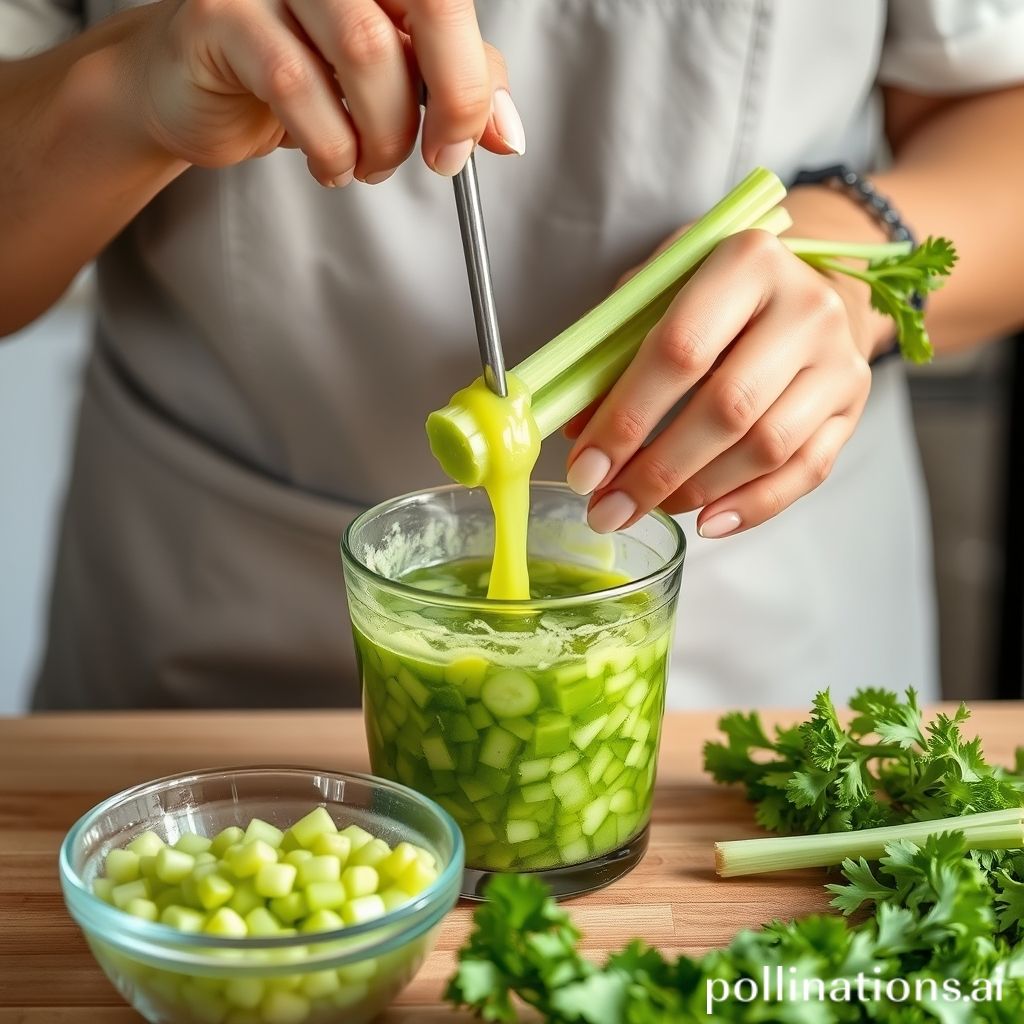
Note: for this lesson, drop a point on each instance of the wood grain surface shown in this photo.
(53, 768)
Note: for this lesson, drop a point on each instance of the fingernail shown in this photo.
(452, 158)
(507, 122)
(720, 525)
(611, 512)
(588, 470)
(376, 179)
(344, 179)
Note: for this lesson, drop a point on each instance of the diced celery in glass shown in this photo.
(593, 815)
(586, 734)
(214, 891)
(564, 761)
(551, 734)
(146, 909)
(572, 789)
(467, 672)
(574, 851)
(122, 895)
(362, 909)
(357, 836)
(520, 831)
(606, 837)
(574, 697)
(274, 880)
(473, 789)
(437, 754)
(246, 860)
(479, 716)
(244, 992)
(519, 727)
(600, 761)
(617, 683)
(413, 688)
(321, 921)
(536, 792)
(246, 898)
(360, 880)
(281, 1007)
(173, 865)
(499, 748)
(321, 896)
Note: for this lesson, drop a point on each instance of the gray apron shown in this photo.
(267, 352)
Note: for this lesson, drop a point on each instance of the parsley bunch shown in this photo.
(936, 917)
(885, 767)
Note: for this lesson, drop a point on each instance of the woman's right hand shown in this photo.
(225, 80)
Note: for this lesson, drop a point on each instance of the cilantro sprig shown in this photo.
(898, 277)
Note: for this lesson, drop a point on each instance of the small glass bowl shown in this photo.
(348, 975)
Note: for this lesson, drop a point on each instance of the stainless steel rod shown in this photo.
(478, 267)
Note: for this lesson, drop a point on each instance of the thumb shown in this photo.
(504, 132)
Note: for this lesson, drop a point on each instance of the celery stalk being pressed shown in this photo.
(991, 830)
(753, 197)
(597, 371)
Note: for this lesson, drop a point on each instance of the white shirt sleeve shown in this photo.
(27, 26)
(950, 46)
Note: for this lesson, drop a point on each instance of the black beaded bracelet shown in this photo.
(845, 179)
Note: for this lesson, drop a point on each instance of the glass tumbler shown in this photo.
(534, 723)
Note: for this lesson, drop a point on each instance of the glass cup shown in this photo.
(534, 723)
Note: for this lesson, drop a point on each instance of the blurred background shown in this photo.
(969, 413)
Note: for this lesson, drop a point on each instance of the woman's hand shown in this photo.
(773, 358)
(224, 80)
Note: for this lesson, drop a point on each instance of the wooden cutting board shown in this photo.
(53, 768)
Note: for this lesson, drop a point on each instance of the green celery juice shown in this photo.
(537, 730)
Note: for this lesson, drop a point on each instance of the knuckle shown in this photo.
(206, 11)
(659, 477)
(681, 347)
(628, 426)
(817, 465)
(390, 150)
(734, 404)
(338, 153)
(772, 444)
(463, 102)
(828, 306)
(754, 246)
(690, 495)
(772, 502)
(288, 78)
(365, 39)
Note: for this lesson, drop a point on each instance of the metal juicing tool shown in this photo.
(478, 266)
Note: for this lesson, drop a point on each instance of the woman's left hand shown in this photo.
(773, 357)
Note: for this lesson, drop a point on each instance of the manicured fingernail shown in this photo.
(507, 122)
(720, 525)
(452, 158)
(611, 512)
(344, 179)
(376, 179)
(588, 470)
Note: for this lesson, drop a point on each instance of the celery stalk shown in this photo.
(751, 199)
(992, 830)
(853, 250)
(598, 370)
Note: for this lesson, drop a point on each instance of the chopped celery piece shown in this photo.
(282, 1007)
(231, 836)
(273, 880)
(499, 748)
(414, 689)
(535, 770)
(357, 836)
(372, 854)
(318, 869)
(574, 697)
(245, 898)
(244, 992)
(185, 919)
(360, 880)
(479, 716)
(226, 923)
(122, 866)
(258, 829)
(586, 734)
(324, 895)
(521, 728)
(189, 842)
(246, 860)
(307, 829)
(564, 761)
(173, 865)
(148, 844)
(322, 921)
(593, 815)
(467, 673)
(397, 860)
(572, 789)
(363, 908)
(290, 908)
(261, 922)
(537, 792)
(437, 754)
(141, 907)
(122, 895)
(103, 888)
(332, 844)
(510, 694)
(214, 891)
(296, 857)
(521, 831)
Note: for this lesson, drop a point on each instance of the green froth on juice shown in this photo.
(540, 741)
